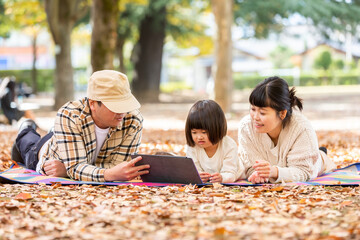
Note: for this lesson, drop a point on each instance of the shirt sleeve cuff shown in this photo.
(101, 175)
(228, 177)
(282, 172)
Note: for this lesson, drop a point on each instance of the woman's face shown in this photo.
(266, 120)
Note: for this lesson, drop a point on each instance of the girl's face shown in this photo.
(201, 138)
(266, 120)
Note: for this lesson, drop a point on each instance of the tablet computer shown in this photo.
(169, 169)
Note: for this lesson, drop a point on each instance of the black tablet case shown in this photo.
(169, 169)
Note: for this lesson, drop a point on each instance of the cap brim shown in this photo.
(123, 106)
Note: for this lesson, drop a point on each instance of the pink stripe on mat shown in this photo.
(348, 176)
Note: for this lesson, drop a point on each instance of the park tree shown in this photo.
(29, 17)
(62, 16)
(223, 12)
(339, 64)
(131, 13)
(323, 61)
(103, 39)
(157, 23)
(148, 52)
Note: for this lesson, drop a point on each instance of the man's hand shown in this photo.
(125, 171)
(216, 177)
(55, 168)
(205, 176)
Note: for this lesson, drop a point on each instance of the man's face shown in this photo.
(103, 117)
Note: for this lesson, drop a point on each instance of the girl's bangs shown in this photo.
(196, 121)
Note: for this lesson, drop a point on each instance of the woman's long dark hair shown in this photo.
(274, 92)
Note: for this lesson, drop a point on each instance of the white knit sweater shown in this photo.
(225, 161)
(296, 155)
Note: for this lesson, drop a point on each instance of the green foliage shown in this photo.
(131, 13)
(339, 64)
(246, 81)
(4, 21)
(173, 86)
(280, 57)
(250, 81)
(45, 78)
(260, 17)
(183, 19)
(28, 14)
(323, 60)
(329, 16)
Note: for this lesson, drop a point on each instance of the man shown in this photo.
(92, 139)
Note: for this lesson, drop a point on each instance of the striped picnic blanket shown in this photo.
(347, 176)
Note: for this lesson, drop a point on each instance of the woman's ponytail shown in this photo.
(294, 100)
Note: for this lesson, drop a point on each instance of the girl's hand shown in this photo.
(256, 178)
(216, 177)
(205, 176)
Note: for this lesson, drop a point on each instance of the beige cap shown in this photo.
(112, 88)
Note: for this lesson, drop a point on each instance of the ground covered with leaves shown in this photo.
(183, 212)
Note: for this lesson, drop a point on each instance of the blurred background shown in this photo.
(177, 51)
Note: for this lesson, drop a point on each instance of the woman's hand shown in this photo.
(205, 176)
(262, 168)
(216, 177)
(256, 178)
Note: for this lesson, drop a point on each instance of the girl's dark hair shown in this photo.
(274, 92)
(207, 115)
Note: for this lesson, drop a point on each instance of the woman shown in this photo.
(278, 144)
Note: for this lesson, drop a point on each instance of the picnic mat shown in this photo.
(19, 174)
(347, 176)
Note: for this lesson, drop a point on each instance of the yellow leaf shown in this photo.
(277, 189)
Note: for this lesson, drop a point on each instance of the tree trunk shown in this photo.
(148, 54)
(64, 83)
(61, 16)
(120, 51)
(223, 11)
(33, 70)
(105, 15)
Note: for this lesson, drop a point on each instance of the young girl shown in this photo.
(214, 154)
(278, 144)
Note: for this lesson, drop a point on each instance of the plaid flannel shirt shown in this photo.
(74, 142)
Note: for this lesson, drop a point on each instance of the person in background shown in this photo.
(8, 103)
(93, 137)
(213, 152)
(276, 143)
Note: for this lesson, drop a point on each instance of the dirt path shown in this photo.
(328, 108)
